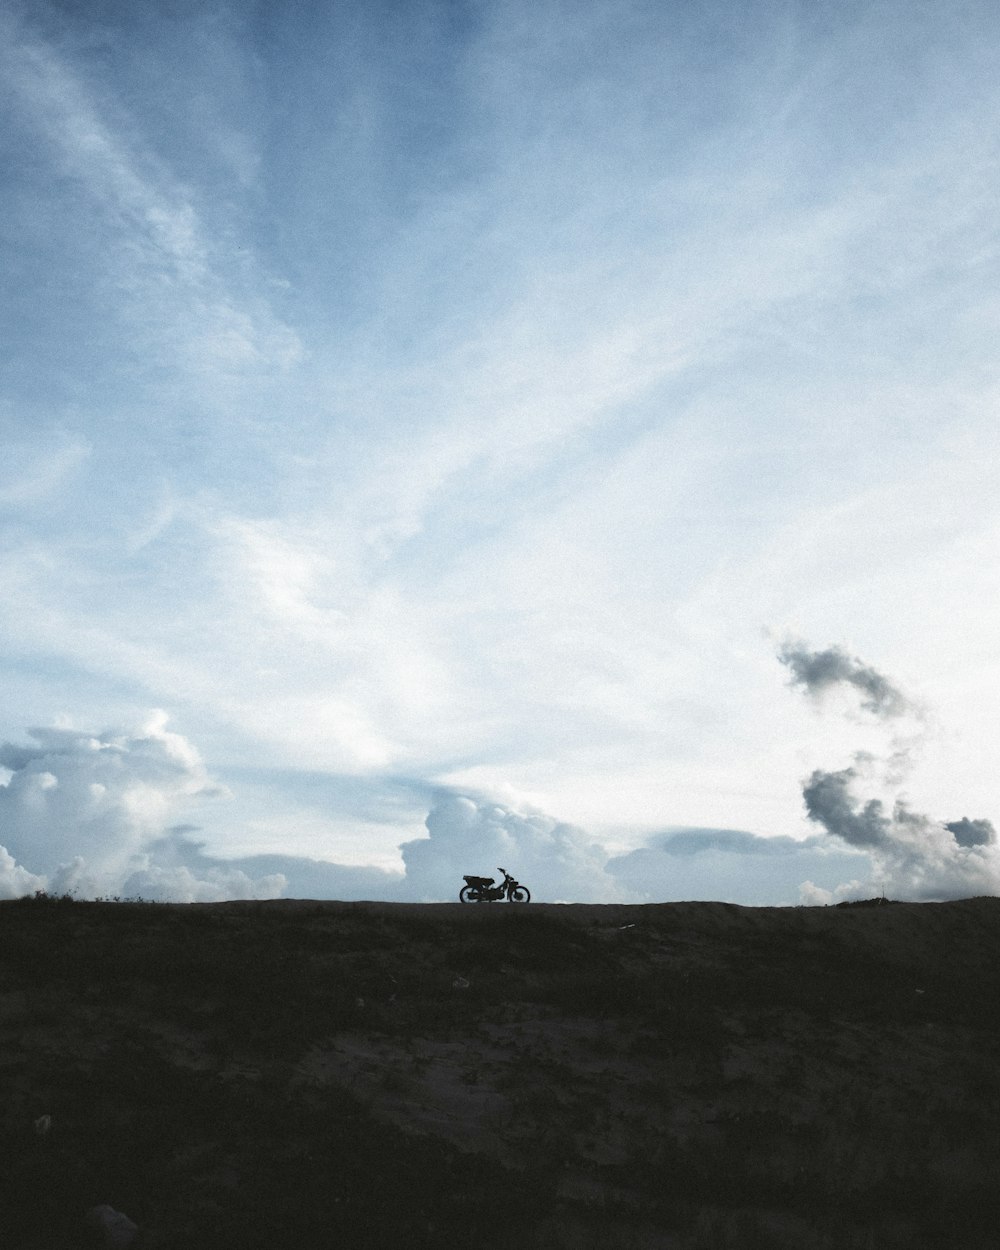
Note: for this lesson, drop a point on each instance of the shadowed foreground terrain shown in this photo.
(369, 1075)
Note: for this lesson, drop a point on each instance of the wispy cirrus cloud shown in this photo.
(33, 471)
(463, 397)
(167, 269)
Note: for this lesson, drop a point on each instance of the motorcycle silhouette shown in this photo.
(482, 890)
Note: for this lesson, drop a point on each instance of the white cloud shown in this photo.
(92, 814)
(812, 895)
(556, 861)
(624, 341)
(82, 812)
(179, 884)
(16, 881)
(731, 865)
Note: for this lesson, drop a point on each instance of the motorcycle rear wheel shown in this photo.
(521, 895)
(466, 894)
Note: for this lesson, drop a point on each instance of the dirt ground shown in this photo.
(299, 1073)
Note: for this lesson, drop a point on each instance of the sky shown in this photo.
(434, 432)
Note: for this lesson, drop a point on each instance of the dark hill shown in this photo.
(301, 1074)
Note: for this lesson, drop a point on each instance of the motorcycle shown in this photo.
(482, 890)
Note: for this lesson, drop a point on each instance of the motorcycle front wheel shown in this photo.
(466, 894)
(520, 895)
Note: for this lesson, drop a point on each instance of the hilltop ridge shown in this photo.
(365, 1074)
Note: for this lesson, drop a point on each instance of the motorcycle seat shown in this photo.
(478, 881)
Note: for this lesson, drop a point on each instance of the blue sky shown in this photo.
(428, 422)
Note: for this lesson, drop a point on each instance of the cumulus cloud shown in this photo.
(96, 814)
(913, 855)
(85, 812)
(16, 881)
(558, 862)
(813, 895)
(829, 802)
(968, 832)
(819, 671)
(92, 814)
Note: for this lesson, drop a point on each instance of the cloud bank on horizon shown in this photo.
(88, 814)
(430, 404)
(95, 816)
(84, 814)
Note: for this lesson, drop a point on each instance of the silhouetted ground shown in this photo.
(371, 1075)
